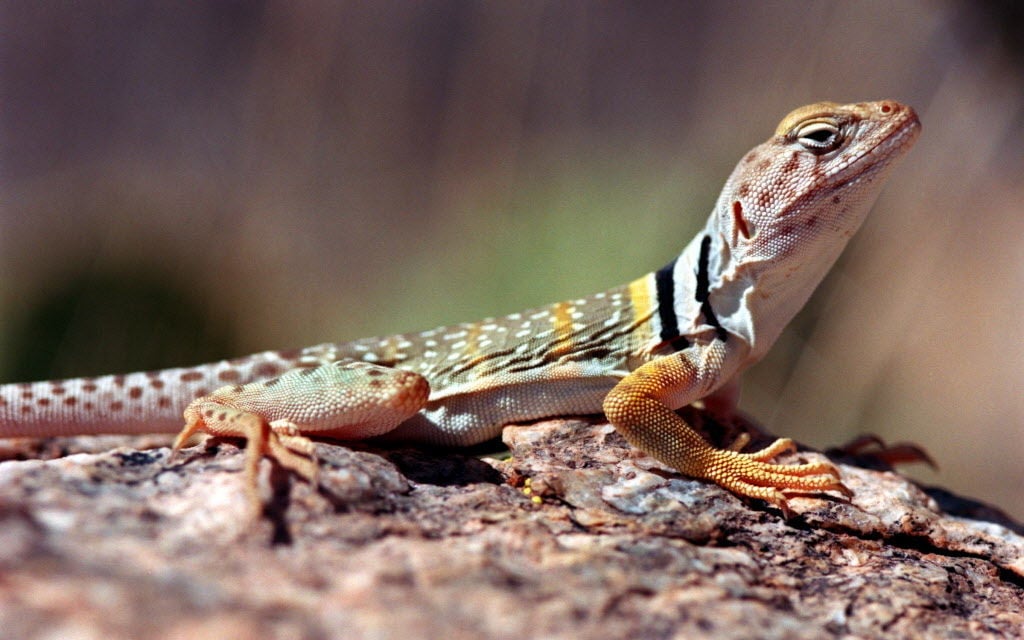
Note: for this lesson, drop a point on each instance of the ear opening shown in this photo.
(739, 223)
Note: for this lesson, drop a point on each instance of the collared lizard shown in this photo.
(637, 352)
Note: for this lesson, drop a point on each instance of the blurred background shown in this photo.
(181, 182)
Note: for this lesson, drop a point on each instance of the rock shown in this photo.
(576, 535)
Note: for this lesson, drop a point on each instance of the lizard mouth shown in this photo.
(903, 132)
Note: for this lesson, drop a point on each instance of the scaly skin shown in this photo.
(637, 352)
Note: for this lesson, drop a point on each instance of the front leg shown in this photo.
(640, 407)
(346, 400)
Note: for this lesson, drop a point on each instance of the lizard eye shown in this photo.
(818, 136)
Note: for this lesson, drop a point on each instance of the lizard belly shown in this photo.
(466, 418)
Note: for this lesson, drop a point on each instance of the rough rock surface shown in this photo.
(575, 536)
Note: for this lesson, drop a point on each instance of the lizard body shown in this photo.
(637, 352)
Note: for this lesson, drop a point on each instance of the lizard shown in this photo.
(637, 352)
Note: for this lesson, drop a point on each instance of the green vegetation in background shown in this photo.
(577, 233)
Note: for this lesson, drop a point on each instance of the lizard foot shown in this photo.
(871, 451)
(344, 399)
(280, 441)
(753, 475)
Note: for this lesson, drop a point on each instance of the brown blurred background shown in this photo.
(187, 181)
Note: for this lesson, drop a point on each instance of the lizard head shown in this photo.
(791, 205)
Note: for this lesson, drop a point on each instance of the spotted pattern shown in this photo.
(611, 328)
(783, 217)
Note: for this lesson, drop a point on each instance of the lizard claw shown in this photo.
(282, 442)
(753, 475)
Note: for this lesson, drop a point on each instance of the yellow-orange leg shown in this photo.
(280, 442)
(639, 407)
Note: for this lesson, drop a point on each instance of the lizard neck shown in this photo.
(781, 221)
